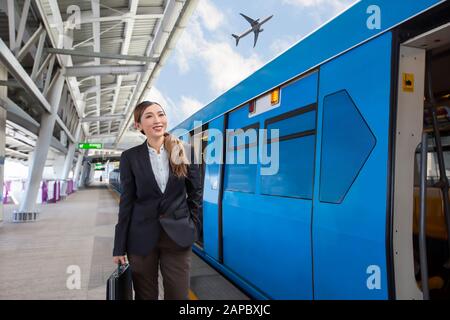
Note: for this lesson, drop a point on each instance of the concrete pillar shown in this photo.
(86, 174)
(85, 168)
(3, 94)
(36, 167)
(70, 153)
(76, 173)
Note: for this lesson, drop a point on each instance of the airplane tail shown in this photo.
(237, 39)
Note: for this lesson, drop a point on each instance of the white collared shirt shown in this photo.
(160, 166)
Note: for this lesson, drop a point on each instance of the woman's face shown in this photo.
(153, 121)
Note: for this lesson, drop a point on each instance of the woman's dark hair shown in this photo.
(174, 146)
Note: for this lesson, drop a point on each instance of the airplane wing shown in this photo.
(250, 20)
(256, 37)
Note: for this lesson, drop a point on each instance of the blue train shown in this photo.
(340, 217)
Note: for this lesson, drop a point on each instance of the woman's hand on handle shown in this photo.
(122, 259)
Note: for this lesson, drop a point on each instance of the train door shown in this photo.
(351, 183)
(213, 159)
(422, 166)
(267, 205)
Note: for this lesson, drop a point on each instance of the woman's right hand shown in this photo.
(122, 259)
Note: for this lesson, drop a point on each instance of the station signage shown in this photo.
(85, 145)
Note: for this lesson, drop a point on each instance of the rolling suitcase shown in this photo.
(119, 285)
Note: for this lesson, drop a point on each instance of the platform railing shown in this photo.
(50, 191)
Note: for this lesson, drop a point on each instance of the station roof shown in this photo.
(110, 52)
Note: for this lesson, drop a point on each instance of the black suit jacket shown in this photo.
(144, 209)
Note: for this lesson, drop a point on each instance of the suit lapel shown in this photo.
(148, 170)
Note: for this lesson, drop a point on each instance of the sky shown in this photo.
(206, 62)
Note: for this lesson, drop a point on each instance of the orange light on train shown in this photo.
(275, 96)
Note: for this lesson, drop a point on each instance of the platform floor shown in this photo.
(35, 257)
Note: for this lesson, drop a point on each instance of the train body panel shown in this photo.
(350, 203)
(211, 194)
(267, 218)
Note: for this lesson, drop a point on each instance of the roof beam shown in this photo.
(12, 24)
(104, 118)
(16, 153)
(56, 16)
(17, 17)
(19, 119)
(55, 37)
(23, 21)
(108, 87)
(173, 22)
(64, 127)
(103, 70)
(27, 46)
(103, 55)
(18, 72)
(10, 83)
(95, 5)
(133, 7)
(142, 13)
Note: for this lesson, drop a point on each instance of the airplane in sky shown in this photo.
(256, 28)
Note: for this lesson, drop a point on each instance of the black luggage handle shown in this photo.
(119, 265)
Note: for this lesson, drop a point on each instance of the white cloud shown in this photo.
(322, 10)
(219, 59)
(186, 49)
(226, 67)
(189, 106)
(212, 18)
(331, 4)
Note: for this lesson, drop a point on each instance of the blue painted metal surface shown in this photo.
(345, 31)
(267, 241)
(264, 234)
(211, 189)
(346, 144)
(295, 124)
(350, 237)
(241, 175)
(296, 171)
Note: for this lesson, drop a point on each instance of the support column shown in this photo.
(86, 174)
(76, 174)
(70, 153)
(36, 167)
(3, 94)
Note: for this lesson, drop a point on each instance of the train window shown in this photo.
(433, 175)
(347, 142)
(241, 159)
(297, 136)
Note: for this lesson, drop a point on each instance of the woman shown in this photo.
(159, 205)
